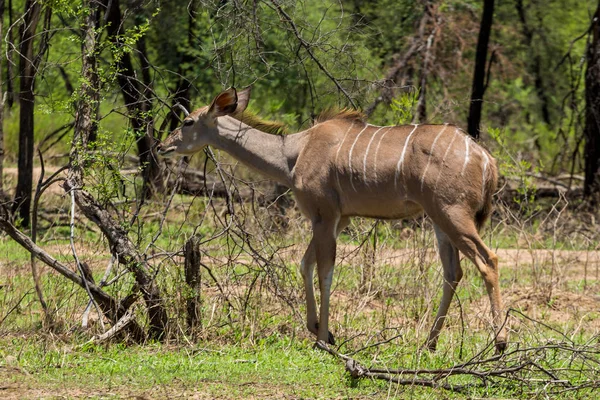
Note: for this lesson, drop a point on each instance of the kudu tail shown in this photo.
(490, 185)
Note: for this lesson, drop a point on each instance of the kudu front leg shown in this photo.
(307, 268)
(309, 260)
(324, 237)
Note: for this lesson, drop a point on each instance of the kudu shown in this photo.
(342, 167)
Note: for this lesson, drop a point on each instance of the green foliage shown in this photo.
(518, 169)
(403, 107)
(215, 45)
(385, 23)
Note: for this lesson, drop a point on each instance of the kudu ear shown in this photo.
(225, 103)
(243, 99)
(230, 101)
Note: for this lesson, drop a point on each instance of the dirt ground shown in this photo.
(55, 188)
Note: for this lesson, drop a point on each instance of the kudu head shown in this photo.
(193, 135)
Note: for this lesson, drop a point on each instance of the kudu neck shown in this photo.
(272, 155)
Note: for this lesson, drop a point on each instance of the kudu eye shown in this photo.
(188, 122)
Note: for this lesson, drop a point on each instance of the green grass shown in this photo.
(12, 252)
(276, 366)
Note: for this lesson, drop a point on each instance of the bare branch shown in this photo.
(286, 17)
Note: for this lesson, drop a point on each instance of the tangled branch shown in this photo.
(552, 367)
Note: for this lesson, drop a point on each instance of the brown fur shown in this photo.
(482, 215)
(342, 167)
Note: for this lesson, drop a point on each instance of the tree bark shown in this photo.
(591, 184)
(27, 72)
(395, 73)
(1, 108)
(134, 101)
(193, 279)
(479, 86)
(182, 93)
(421, 115)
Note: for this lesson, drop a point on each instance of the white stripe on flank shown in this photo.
(400, 165)
(379, 126)
(350, 155)
(365, 157)
(485, 163)
(467, 140)
(377, 152)
(431, 154)
(444, 159)
(337, 176)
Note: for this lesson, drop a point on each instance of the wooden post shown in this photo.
(193, 279)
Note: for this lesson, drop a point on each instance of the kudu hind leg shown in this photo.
(324, 233)
(472, 246)
(452, 275)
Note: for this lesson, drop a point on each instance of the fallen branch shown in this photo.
(551, 367)
(110, 307)
(357, 371)
(121, 324)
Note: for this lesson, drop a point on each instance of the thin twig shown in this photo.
(308, 47)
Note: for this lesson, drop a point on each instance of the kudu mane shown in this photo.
(345, 114)
(250, 119)
(280, 129)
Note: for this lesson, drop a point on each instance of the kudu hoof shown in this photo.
(330, 338)
(501, 346)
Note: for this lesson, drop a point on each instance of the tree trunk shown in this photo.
(134, 100)
(591, 184)
(182, 90)
(395, 74)
(536, 63)
(1, 109)
(9, 58)
(27, 71)
(478, 89)
(421, 115)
